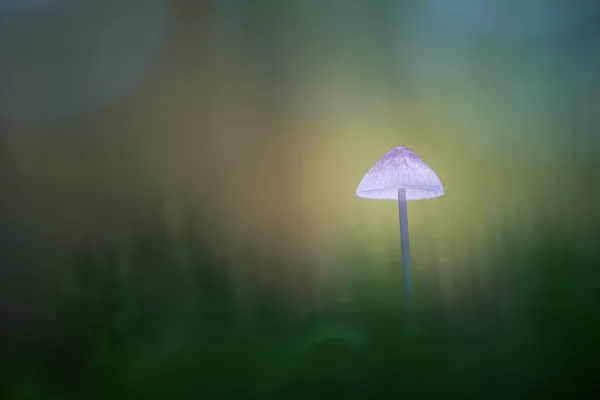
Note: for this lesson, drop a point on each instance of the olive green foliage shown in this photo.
(162, 317)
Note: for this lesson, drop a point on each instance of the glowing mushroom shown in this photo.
(401, 175)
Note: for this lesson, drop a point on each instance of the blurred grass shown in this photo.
(158, 316)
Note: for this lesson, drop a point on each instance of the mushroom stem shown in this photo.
(405, 248)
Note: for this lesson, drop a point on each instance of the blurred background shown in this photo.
(178, 214)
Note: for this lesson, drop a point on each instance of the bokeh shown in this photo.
(178, 215)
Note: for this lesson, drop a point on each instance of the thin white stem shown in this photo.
(405, 248)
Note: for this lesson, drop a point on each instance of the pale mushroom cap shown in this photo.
(400, 168)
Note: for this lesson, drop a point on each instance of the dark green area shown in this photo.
(163, 318)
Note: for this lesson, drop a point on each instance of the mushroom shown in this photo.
(401, 175)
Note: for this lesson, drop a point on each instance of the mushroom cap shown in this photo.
(400, 168)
